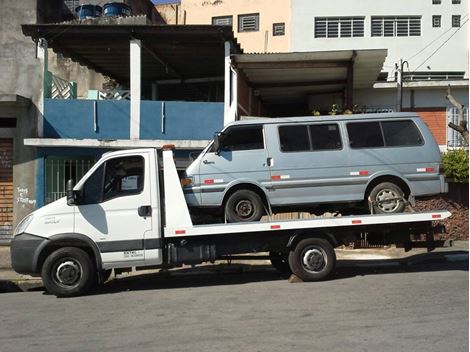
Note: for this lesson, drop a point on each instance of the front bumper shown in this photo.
(25, 250)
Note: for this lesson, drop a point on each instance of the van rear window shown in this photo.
(383, 134)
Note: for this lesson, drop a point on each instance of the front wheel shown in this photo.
(312, 259)
(243, 206)
(68, 272)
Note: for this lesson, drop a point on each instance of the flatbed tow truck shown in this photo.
(124, 213)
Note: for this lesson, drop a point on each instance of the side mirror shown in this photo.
(69, 192)
(218, 138)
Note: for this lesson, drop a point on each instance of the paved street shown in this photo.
(394, 308)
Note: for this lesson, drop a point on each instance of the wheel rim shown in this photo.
(67, 273)
(314, 259)
(390, 206)
(244, 208)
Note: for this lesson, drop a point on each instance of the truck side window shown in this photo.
(401, 133)
(92, 191)
(325, 137)
(365, 135)
(123, 176)
(243, 138)
(294, 138)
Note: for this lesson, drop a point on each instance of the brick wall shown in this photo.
(435, 118)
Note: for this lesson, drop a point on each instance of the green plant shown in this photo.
(456, 165)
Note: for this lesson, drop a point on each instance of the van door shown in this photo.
(115, 209)
(242, 157)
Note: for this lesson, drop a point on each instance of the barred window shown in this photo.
(436, 2)
(339, 27)
(455, 2)
(402, 26)
(456, 21)
(222, 21)
(279, 29)
(436, 21)
(248, 23)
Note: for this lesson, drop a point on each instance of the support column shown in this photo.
(349, 86)
(135, 73)
(227, 84)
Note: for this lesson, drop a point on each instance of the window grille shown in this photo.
(222, 21)
(436, 21)
(454, 138)
(455, 2)
(436, 2)
(278, 29)
(456, 21)
(72, 5)
(403, 26)
(248, 23)
(339, 27)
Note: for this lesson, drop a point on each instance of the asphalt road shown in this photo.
(416, 308)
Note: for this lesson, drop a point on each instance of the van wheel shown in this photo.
(380, 194)
(243, 206)
(280, 262)
(68, 272)
(312, 259)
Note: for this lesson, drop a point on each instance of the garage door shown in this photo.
(6, 186)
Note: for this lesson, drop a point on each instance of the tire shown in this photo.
(312, 259)
(280, 262)
(383, 191)
(68, 272)
(244, 206)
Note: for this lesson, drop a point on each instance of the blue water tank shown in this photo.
(116, 9)
(87, 11)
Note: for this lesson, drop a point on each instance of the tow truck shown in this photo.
(129, 211)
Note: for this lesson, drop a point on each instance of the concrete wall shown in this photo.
(273, 11)
(181, 120)
(453, 56)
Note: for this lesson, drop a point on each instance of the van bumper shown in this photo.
(25, 250)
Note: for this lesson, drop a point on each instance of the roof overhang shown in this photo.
(290, 77)
(168, 51)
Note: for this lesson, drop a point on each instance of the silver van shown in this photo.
(255, 165)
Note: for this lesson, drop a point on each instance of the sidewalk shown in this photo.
(10, 281)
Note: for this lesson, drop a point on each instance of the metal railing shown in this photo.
(62, 89)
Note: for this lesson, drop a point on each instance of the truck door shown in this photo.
(115, 210)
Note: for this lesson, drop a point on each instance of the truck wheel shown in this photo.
(68, 272)
(387, 190)
(280, 262)
(312, 259)
(243, 206)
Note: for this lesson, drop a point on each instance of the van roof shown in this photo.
(329, 118)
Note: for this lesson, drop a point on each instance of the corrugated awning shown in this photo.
(168, 52)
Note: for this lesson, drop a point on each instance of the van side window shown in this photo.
(294, 138)
(365, 135)
(243, 138)
(325, 137)
(401, 133)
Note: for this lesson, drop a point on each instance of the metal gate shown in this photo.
(6, 186)
(59, 170)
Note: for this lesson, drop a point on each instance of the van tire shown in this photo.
(385, 190)
(68, 272)
(243, 206)
(312, 259)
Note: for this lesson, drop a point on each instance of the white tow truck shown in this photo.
(125, 214)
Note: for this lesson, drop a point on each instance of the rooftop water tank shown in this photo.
(116, 9)
(88, 11)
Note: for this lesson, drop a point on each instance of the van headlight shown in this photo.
(23, 225)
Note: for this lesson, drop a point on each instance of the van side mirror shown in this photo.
(218, 138)
(69, 192)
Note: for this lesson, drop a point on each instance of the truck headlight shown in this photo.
(23, 225)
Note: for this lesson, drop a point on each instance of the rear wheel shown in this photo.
(387, 198)
(68, 272)
(243, 206)
(312, 259)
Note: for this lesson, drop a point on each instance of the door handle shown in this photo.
(207, 162)
(144, 210)
(269, 161)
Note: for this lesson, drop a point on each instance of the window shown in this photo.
(455, 20)
(278, 29)
(243, 138)
(248, 23)
(317, 137)
(403, 26)
(343, 27)
(294, 138)
(222, 21)
(116, 178)
(395, 134)
(436, 21)
(455, 2)
(436, 2)
(401, 133)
